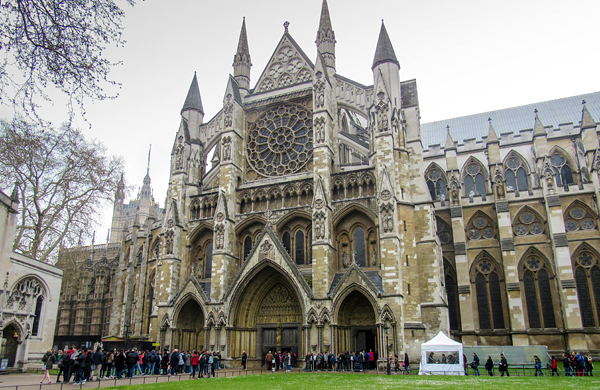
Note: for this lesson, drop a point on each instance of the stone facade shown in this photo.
(321, 223)
(29, 297)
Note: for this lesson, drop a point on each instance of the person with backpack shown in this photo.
(79, 366)
(61, 365)
(538, 366)
(133, 361)
(152, 360)
(201, 365)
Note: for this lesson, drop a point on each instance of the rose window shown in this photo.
(485, 266)
(579, 219)
(480, 228)
(280, 141)
(528, 224)
(534, 263)
(586, 259)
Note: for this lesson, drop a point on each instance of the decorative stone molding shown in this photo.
(514, 286)
(568, 283)
(502, 207)
(508, 244)
(464, 289)
(560, 239)
(460, 248)
(456, 212)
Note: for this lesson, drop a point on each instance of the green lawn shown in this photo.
(380, 382)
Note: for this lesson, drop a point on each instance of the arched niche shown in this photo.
(356, 240)
(189, 324)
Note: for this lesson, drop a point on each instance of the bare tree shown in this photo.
(58, 43)
(62, 181)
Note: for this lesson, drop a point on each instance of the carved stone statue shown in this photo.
(373, 257)
(345, 259)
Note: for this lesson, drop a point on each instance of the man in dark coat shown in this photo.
(489, 365)
(174, 362)
(503, 367)
(475, 364)
(133, 359)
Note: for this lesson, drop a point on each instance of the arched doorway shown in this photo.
(190, 327)
(356, 324)
(10, 336)
(268, 316)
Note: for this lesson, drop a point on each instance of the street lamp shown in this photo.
(127, 334)
(387, 356)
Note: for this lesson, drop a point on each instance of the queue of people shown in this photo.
(83, 365)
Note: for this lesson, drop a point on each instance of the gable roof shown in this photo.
(288, 65)
(514, 119)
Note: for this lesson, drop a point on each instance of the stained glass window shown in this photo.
(360, 247)
(247, 247)
(474, 179)
(562, 170)
(436, 182)
(515, 174)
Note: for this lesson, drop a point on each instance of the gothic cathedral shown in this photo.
(306, 215)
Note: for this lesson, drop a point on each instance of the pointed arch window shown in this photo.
(37, 315)
(481, 228)
(528, 223)
(436, 182)
(488, 289)
(452, 294)
(474, 179)
(538, 293)
(360, 247)
(247, 247)
(587, 280)
(562, 169)
(516, 175)
(209, 253)
(300, 244)
(579, 218)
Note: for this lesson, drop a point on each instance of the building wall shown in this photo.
(29, 297)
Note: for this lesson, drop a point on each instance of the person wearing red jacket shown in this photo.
(194, 360)
(554, 366)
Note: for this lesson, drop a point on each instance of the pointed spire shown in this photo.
(449, 141)
(120, 194)
(325, 23)
(385, 50)
(241, 60)
(538, 128)
(587, 122)
(147, 178)
(326, 37)
(492, 137)
(193, 100)
(243, 41)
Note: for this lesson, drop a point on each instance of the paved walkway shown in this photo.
(32, 381)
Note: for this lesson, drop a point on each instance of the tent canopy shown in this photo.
(442, 344)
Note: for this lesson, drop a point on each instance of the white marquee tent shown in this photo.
(446, 362)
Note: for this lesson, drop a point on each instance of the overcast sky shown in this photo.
(467, 57)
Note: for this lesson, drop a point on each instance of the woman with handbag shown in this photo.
(48, 361)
